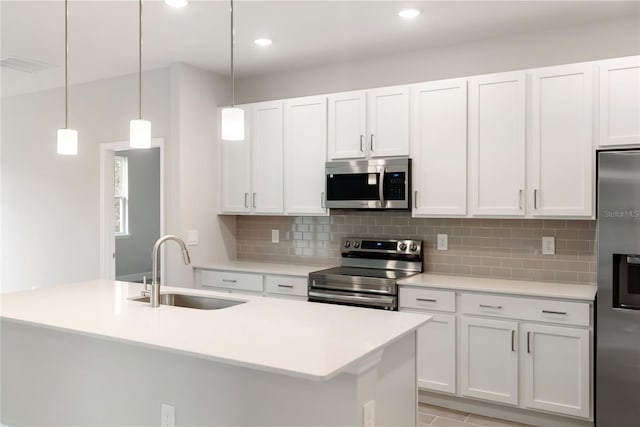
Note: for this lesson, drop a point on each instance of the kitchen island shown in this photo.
(86, 354)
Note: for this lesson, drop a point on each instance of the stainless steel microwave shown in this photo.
(369, 184)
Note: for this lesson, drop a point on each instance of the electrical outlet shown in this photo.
(443, 242)
(167, 416)
(275, 236)
(548, 245)
(369, 414)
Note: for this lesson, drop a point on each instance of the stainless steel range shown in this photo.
(368, 273)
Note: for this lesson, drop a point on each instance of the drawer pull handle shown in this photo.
(562, 313)
(528, 342)
(497, 307)
(426, 299)
(285, 286)
(513, 340)
(229, 280)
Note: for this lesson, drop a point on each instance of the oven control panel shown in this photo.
(383, 246)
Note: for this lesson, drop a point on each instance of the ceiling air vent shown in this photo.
(25, 65)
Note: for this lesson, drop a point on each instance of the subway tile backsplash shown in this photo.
(499, 248)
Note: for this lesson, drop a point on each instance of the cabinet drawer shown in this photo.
(535, 309)
(427, 299)
(231, 280)
(286, 285)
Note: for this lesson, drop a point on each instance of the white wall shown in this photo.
(598, 41)
(194, 204)
(50, 212)
(50, 203)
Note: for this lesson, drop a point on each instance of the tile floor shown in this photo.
(441, 417)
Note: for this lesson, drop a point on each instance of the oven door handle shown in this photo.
(353, 298)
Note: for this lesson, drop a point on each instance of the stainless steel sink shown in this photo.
(192, 301)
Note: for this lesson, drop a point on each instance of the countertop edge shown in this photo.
(575, 292)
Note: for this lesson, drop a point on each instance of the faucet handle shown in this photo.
(145, 291)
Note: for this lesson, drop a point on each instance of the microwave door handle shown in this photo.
(381, 188)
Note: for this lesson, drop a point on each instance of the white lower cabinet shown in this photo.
(489, 359)
(436, 345)
(229, 281)
(252, 283)
(556, 369)
(288, 287)
(529, 353)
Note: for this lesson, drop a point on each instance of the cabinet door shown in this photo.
(489, 359)
(436, 353)
(388, 121)
(236, 171)
(305, 140)
(562, 155)
(620, 101)
(556, 369)
(497, 144)
(439, 147)
(266, 158)
(347, 125)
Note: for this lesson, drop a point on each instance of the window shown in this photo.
(121, 195)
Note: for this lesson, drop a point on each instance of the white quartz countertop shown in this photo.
(262, 267)
(503, 286)
(303, 339)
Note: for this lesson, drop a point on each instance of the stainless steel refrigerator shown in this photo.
(617, 361)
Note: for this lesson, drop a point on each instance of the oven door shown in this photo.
(368, 184)
(384, 302)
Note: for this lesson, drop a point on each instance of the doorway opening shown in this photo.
(131, 209)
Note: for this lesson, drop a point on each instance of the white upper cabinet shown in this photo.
(305, 142)
(497, 109)
(439, 147)
(562, 154)
(235, 168)
(619, 102)
(388, 121)
(347, 125)
(267, 181)
(372, 123)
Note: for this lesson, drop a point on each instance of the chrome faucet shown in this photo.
(155, 283)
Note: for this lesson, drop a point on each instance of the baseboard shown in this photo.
(525, 416)
(136, 277)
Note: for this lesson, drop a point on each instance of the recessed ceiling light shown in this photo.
(408, 13)
(263, 42)
(176, 3)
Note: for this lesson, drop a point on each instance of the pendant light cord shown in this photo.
(233, 89)
(66, 67)
(139, 59)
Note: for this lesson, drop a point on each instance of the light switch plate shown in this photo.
(548, 245)
(443, 242)
(275, 236)
(369, 414)
(192, 237)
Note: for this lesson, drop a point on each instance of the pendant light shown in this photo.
(140, 130)
(232, 118)
(67, 138)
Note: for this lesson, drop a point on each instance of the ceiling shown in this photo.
(103, 34)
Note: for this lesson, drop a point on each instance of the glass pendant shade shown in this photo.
(232, 124)
(140, 134)
(68, 142)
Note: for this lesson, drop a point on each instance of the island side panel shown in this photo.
(50, 377)
(397, 384)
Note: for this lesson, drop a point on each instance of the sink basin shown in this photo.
(192, 301)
